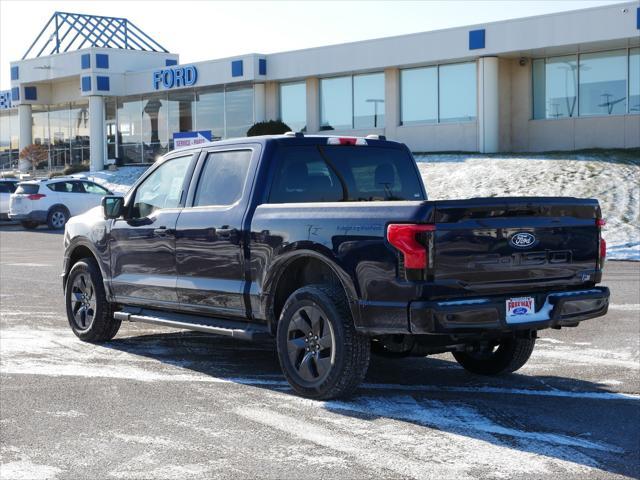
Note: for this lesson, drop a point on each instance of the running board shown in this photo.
(216, 326)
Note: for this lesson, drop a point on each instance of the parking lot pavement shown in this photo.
(157, 403)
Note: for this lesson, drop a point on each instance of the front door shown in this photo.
(142, 244)
(209, 235)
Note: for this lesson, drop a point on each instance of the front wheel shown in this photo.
(321, 354)
(506, 356)
(89, 314)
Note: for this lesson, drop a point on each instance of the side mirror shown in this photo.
(112, 206)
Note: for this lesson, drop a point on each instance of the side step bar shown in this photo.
(229, 328)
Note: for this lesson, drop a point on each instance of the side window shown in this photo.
(62, 187)
(90, 187)
(161, 189)
(6, 187)
(303, 176)
(223, 177)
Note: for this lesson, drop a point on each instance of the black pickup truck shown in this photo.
(330, 245)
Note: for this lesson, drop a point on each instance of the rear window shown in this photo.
(7, 187)
(344, 173)
(27, 188)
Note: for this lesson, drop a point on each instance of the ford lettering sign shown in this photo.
(175, 77)
(522, 240)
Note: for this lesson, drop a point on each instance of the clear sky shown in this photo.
(202, 30)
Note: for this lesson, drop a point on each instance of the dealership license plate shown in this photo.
(520, 309)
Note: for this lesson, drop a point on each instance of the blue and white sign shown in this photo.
(175, 77)
(189, 139)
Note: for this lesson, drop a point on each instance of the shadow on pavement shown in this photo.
(395, 389)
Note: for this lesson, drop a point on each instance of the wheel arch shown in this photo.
(301, 268)
(78, 251)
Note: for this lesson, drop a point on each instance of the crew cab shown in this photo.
(330, 245)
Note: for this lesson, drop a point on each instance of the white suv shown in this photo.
(7, 187)
(54, 201)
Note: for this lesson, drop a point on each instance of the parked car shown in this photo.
(330, 245)
(53, 201)
(7, 187)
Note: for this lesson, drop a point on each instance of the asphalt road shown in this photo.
(157, 403)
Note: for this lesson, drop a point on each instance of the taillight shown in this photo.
(36, 196)
(602, 244)
(346, 141)
(404, 237)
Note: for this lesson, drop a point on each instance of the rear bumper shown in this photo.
(38, 216)
(488, 314)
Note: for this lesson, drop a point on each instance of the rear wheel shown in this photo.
(57, 218)
(320, 352)
(506, 356)
(89, 314)
(29, 225)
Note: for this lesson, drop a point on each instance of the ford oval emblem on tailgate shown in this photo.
(522, 240)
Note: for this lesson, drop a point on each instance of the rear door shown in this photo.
(142, 244)
(210, 236)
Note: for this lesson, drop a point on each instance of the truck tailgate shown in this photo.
(496, 245)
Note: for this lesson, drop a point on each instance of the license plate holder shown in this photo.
(520, 309)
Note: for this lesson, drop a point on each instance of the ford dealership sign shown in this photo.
(175, 77)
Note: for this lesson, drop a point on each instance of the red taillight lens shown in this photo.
(404, 237)
(602, 244)
(603, 250)
(36, 196)
(346, 141)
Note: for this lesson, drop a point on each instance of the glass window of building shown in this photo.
(555, 87)
(181, 113)
(419, 95)
(111, 127)
(457, 100)
(336, 103)
(60, 135)
(155, 117)
(40, 128)
(79, 116)
(129, 129)
(634, 80)
(293, 105)
(9, 138)
(603, 83)
(368, 101)
(238, 105)
(209, 111)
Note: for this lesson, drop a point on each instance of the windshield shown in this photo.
(326, 173)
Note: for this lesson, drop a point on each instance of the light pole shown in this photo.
(375, 102)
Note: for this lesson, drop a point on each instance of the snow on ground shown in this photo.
(612, 178)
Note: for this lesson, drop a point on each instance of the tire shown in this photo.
(510, 355)
(321, 354)
(29, 225)
(57, 218)
(96, 324)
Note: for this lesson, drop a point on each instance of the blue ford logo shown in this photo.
(519, 311)
(522, 240)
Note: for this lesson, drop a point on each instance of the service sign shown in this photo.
(189, 139)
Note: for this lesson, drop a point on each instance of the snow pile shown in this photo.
(118, 181)
(613, 180)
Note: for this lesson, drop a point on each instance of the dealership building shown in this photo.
(100, 89)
